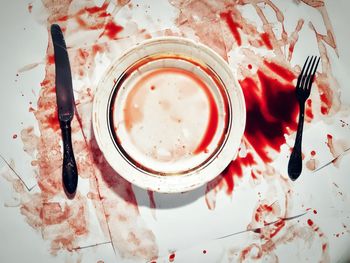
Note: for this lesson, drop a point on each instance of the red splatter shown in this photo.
(308, 110)
(313, 153)
(151, 199)
(152, 87)
(50, 59)
(204, 251)
(233, 25)
(52, 121)
(172, 257)
(111, 30)
(315, 212)
(14, 136)
(30, 7)
(236, 169)
(266, 40)
(310, 222)
(271, 108)
(326, 96)
(261, 212)
(281, 71)
(250, 66)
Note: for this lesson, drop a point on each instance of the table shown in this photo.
(252, 211)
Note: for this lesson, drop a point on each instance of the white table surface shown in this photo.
(181, 224)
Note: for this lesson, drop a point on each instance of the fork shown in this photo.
(302, 90)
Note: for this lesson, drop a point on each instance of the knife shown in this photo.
(65, 105)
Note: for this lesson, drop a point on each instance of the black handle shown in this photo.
(69, 169)
(295, 163)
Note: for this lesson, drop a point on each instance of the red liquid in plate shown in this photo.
(169, 119)
(173, 92)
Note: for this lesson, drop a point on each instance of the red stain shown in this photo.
(172, 257)
(151, 199)
(235, 169)
(152, 87)
(234, 26)
(52, 121)
(308, 110)
(326, 96)
(100, 11)
(266, 40)
(271, 108)
(111, 30)
(281, 71)
(310, 222)
(278, 226)
(30, 7)
(51, 59)
(262, 211)
(250, 66)
(97, 49)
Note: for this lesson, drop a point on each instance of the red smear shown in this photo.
(281, 71)
(329, 137)
(97, 49)
(52, 121)
(261, 212)
(100, 11)
(30, 7)
(308, 110)
(278, 226)
(324, 247)
(172, 257)
(266, 39)
(234, 26)
(151, 199)
(235, 169)
(111, 30)
(271, 108)
(212, 122)
(50, 60)
(326, 96)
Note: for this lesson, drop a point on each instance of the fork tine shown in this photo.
(313, 73)
(306, 76)
(310, 75)
(302, 72)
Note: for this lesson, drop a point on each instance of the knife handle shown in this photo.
(69, 169)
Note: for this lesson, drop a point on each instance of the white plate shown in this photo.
(169, 115)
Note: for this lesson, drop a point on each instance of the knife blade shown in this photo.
(65, 106)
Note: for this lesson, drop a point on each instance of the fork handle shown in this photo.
(295, 163)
